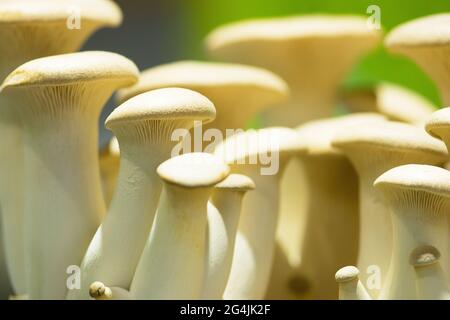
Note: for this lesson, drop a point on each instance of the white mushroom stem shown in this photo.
(419, 203)
(99, 291)
(254, 248)
(350, 287)
(143, 126)
(431, 281)
(32, 29)
(374, 148)
(262, 156)
(327, 211)
(59, 107)
(224, 210)
(11, 194)
(109, 169)
(172, 262)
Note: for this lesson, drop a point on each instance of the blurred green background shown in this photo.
(160, 31)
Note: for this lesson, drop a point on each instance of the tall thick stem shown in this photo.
(172, 263)
(11, 194)
(331, 223)
(64, 204)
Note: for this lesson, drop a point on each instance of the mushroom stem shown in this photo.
(254, 248)
(350, 287)
(29, 30)
(172, 263)
(374, 148)
(431, 282)
(143, 126)
(182, 244)
(60, 99)
(11, 191)
(59, 230)
(419, 203)
(224, 209)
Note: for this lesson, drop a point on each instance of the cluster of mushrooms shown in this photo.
(133, 221)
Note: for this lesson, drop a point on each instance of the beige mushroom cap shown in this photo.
(318, 134)
(346, 274)
(424, 256)
(433, 30)
(102, 12)
(163, 104)
(73, 68)
(193, 170)
(235, 181)
(416, 177)
(252, 143)
(212, 79)
(278, 30)
(399, 103)
(438, 124)
(390, 135)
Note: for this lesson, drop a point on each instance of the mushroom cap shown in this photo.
(251, 143)
(193, 170)
(390, 135)
(97, 289)
(399, 103)
(276, 31)
(31, 11)
(209, 78)
(433, 30)
(235, 181)
(163, 104)
(346, 274)
(417, 177)
(439, 123)
(318, 134)
(73, 68)
(424, 256)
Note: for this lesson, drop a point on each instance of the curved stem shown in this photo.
(254, 248)
(223, 217)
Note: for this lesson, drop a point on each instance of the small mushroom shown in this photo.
(172, 263)
(99, 291)
(327, 212)
(224, 209)
(431, 282)
(426, 41)
(143, 126)
(31, 29)
(237, 91)
(109, 169)
(350, 287)
(395, 102)
(312, 53)
(262, 156)
(419, 199)
(59, 102)
(374, 148)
